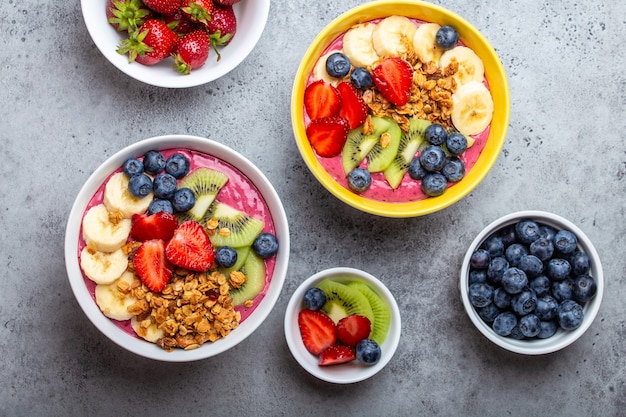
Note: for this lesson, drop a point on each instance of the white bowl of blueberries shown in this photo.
(532, 282)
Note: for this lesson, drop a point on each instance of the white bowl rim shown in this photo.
(563, 338)
(104, 324)
(345, 373)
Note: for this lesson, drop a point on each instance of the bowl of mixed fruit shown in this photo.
(400, 108)
(176, 248)
(342, 325)
(175, 43)
(532, 282)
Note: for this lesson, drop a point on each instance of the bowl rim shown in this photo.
(345, 373)
(496, 78)
(163, 74)
(106, 325)
(563, 338)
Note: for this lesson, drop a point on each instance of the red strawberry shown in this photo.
(163, 6)
(321, 99)
(318, 331)
(126, 15)
(336, 355)
(152, 43)
(151, 265)
(226, 2)
(328, 135)
(192, 51)
(222, 26)
(159, 225)
(180, 24)
(393, 78)
(353, 107)
(190, 247)
(198, 10)
(352, 329)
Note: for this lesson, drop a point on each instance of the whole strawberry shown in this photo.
(152, 43)
(163, 6)
(126, 15)
(180, 23)
(192, 51)
(200, 11)
(222, 26)
(226, 2)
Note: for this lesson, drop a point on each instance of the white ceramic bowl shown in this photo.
(349, 372)
(562, 338)
(251, 19)
(79, 283)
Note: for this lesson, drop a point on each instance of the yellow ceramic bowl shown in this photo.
(471, 37)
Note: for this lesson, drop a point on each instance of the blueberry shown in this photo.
(507, 234)
(359, 179)
(514, 253)
(132, 166)
(265, 245)
(434, 184)
(480, 294)
(432, 158)
(563, 290)
(548, 329)
(496, 268)
(527, 231)
(540, 285)
(446, 37)
(164, 186)
(337, 65)
(453, 169)
(226, 256)
(542, 248)
(504, 323)
(531, 265)
(501, 298)
(361, 78)
(565, 241)
(183, 200)
(480, 259)
(477, 275)
(585, 288)
(547, 232)
(314, 299)
(368, 352)
(158, 205)
(530, 325)
(436, 134)
(524, 302)
(494, 245)
(516, 333)
(580, 263)
(558, 269)
(570, 315)
(177, 165)
(488, 313)
(416, 170)
(514, 280)
(140, 185)
(153, 162)
(546, 307)
(456, 143)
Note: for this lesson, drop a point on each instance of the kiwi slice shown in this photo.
(342, 301)
(242, 255)
(409, 144)
(382, 314)
(358, 145)
(254, 269)
(383, 153)
(242, 228)
(205, 184)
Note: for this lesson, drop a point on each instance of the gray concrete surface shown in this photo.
(66, 109)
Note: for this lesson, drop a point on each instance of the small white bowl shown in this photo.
(562, 338)
(78, 282)
(251, 19)
(349, 372)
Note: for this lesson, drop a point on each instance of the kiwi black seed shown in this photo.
(205, 184)
(409, 145)
(235, 228)
(342, 301)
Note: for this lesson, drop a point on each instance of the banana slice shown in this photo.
(471, 67)
(320, 73)
(358, 47)
(118, 198)
(424, 43)
(393, 36)
(472, 108)
(102, 232)
(146, 329)
(114, 299)
(103, 267)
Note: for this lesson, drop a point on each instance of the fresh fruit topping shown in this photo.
(265, 245)
(352, 329)
(359, 179)
(432, 158)
(393, 77)
(152, 43)
(386, 148)
(126, 15)
(337, 65)
(425, 45)
(434, 184)
(132, 166)
(153, 162)
(140, 185)
(358, 144)
(368, 352)
(393, 36)
(321, 100)
(158, 205)
(416, 170)
(234, 227)
(470, 66)
(436, 134)
(336, 355)
(361, 78)
(103, 231)
(407, 149)
(314, 299)
(114, 302)
(453, 169)
(152, 266)
(164, 186)
(160, 225)
(190, 247)
(343, 301)
(177, 165)
(197, 10)
(456, 144)
(328, 135)
(472, 108)
(205, 184)
(225, 256)
(163, 6)
(358, 47)
(222, 27)
(103, 267)
(256, 274)
(318, 331)
(353, 107)
(446, 37)
(183, 200)
(118, 199)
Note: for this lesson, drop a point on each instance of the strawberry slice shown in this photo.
(393, 78)
(321, 100)
(328, 135)
(151, 265)
(318, 331)
(190, 247)
(353, 107)
(159, 225)
(352, 329)
(336, 355)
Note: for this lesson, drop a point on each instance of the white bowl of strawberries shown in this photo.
(342, 325)
(176, 248)
(174, 43)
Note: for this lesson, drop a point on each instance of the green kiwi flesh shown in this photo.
(379, 158)
(254, 269)
(409, 145)
(358, 145)
(243, 227)
(242, 255)
(343, 301)
(205, 184)
(382, 314)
